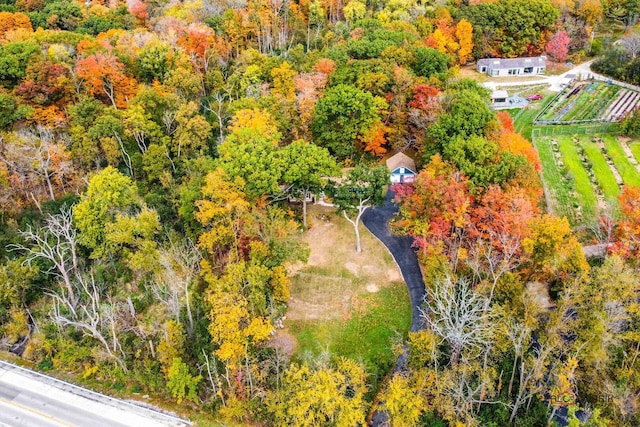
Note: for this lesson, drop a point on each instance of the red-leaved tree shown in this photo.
(558, 46)
(435, 209)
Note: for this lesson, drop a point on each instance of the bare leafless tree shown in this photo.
(55, 242)
(216, 105)
(458, 315)
(603, 230)
(466, 386)
(631, 44)
(95, 315)
(494, 255)
(180, 264)
(531, 380)
(38, 164)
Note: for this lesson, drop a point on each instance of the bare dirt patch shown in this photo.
(316, 238)
(372, 288)
(284, 342)
(394, 275)
(327, 287)
(539, 292)
(353, 267)
(624, 143)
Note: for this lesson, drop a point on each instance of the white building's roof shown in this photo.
(506, 63)
(499, 94)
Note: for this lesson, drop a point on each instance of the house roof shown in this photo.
(499, 94)
(399, 160)
(503, 63)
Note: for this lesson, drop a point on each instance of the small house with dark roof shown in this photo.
(509, 67)
(402, 168)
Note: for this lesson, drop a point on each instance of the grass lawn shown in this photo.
(601, 169)
(627, 170)
(559, 191)
(524, 123)
(513, 112)
(352, 305)
(635, 148)
(366, 336)
(579, 129)
(586, 195)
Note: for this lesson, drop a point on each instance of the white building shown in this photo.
(508, 67)
(499, 96)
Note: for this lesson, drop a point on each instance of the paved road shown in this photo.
(376, 220)
(29, 399)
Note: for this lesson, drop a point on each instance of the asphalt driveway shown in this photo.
(376, 220)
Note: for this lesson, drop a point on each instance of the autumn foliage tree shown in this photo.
(138, 9)
(46, 83)
(36, 167)
(628, 231)
(309, 88)
(13, 21)
(332, 392)
(553, 251)
(103, 76)
(558, 46)
(374, 140)
(464, 34)
(424, 108)
(343, 115)
(435, 208)
(205, 48)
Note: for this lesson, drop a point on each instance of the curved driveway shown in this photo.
(376, 220)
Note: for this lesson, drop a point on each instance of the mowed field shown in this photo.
(344, 303)
(584, 164)
(583, 174)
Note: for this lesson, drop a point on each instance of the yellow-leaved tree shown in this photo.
(403, 401)
(246, 245)
(464, 34)
(323, 395)
(553, 250)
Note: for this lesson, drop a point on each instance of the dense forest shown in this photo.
(148, 154)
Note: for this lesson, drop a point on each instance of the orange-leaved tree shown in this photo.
(374, 140)
(103, 75)
(13, 21)
(435, 209)
(628, 231)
